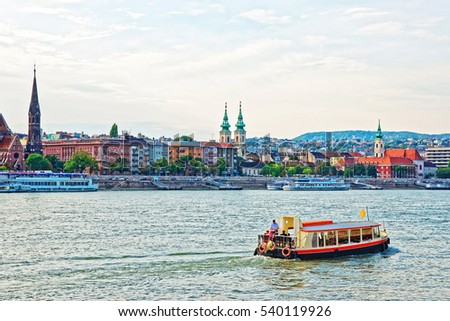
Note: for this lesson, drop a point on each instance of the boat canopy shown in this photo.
(340, 226)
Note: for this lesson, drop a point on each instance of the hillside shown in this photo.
(369, 135)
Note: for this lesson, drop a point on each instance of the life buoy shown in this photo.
(262, 247)
(271, 246)
(286, 252)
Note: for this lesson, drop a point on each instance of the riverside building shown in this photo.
(11, 149)
(439, 156)
(394, 163)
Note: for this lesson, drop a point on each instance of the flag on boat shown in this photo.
(362, 213)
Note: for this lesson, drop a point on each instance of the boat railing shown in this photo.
(281, 241)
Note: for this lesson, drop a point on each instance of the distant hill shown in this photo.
(369, 135)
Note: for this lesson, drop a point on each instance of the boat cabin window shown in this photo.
(376, 232)
(314, 240)
(330, 238)
(343, 237)
(366, 234)
(355, 236)
(321, 238)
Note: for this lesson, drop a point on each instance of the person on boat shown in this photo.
(283, 233)
(274, 227)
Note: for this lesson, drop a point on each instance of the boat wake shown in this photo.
(204, 253)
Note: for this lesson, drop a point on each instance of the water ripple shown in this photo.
(189, 245)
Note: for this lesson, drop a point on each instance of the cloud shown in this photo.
(387, 28)
(264, 16)
(46, 10)
(428, 22)
(392, 28)
(317, 40)
(196, 9)
(231, 59)
(132, 14)
(363, 13)
(424, 34)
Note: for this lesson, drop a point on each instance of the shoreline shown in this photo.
(138, 183)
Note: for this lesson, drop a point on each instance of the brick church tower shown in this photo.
(34, 142)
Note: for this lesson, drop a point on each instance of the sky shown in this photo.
(165, 67)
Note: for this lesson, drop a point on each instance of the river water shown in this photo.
(198, 245)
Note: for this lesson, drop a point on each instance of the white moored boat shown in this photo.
(276, 186)
(45, 181)
(307, 184)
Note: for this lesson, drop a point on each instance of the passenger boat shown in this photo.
(308, 184)
(276, 185)
(230, 187)
(45, 181)
(438, 185)
(322, 239)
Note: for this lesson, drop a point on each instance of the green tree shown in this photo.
(239, 160)
(292, 171)
(3, 168)
(174, 168)
(443, 172)
(278, 170)
(57, 164)
(266, 170)
(184, 138)
(307, 171)
(37, 162)
(119, 165)
(79, 162)
(332, 170)
(212, 170)
(372, 171)
(359, 169)
(348, 172)
(160, 166)
(222, 166)
(197, 167)
(114, 132)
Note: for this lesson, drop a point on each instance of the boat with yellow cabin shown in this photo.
(322, 239)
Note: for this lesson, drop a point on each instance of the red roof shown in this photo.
(5, 143)
(407, 153)
(386, 160)
(216, 144)
(350, 161)
(400, 161)
(4, 129)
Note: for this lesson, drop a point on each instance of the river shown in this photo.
(198, 245)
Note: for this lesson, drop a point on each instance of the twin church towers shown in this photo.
(239, 133)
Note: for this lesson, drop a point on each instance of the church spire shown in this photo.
(34, 103)
(379, 134)
(34, 142)
(225, 124)
(240, 123)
